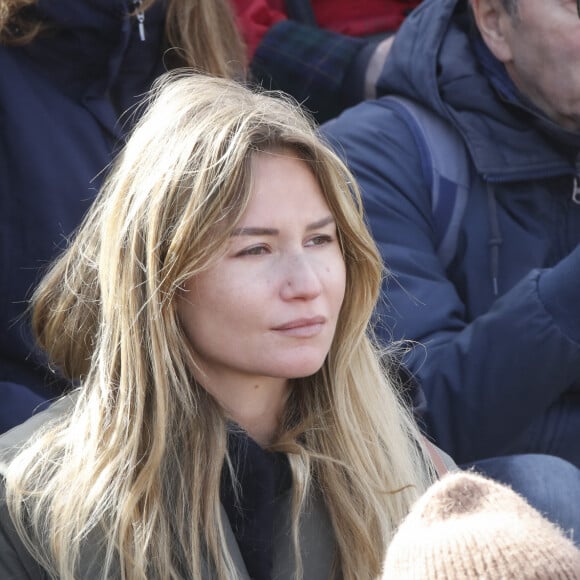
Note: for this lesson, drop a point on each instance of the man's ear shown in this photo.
(494, 24)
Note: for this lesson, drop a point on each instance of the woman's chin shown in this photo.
(302, 369)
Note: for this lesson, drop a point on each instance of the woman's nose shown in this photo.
(301, 280)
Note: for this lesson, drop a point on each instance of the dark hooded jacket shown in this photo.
(62, 98)
(500, 371)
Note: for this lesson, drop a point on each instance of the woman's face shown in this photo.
(267, 311)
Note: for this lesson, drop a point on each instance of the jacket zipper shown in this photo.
(140, 15)
(576, 183)
(576, 190)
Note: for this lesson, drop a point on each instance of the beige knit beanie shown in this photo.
(468, 527)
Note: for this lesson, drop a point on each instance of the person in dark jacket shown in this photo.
(234, 419)
(498, 329)
(69, 72)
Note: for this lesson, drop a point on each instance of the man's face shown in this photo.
(543, 57)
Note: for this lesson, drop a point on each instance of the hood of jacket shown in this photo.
(90, 44)
(436, 59)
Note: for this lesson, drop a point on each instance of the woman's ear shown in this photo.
(494, 23)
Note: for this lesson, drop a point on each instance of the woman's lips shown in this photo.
(302, 327)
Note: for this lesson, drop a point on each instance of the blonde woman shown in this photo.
(70, 69)
(233, 419)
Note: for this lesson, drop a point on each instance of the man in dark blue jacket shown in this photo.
(499, 325)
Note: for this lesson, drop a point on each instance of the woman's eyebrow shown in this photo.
(320, 223)
(248, 231)
(254, 231)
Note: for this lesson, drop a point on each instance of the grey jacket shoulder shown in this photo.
(447, 460)
(16, 563)
(12, 441)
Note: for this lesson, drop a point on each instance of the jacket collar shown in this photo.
(92, 52)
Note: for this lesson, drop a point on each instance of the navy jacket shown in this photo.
(501, 373)
(61, 101)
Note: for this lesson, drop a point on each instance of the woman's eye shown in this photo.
(253, 251)
(320, 240)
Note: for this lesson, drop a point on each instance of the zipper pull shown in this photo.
(576, 190)
(140, 15)
(576, 182)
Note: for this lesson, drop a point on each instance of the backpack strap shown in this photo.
(446, 168)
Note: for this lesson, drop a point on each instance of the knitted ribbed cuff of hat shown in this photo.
(468, 527)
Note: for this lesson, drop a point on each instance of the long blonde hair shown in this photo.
(201, 34)
(141, 428)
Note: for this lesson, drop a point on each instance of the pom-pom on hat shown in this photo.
(468, 527)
